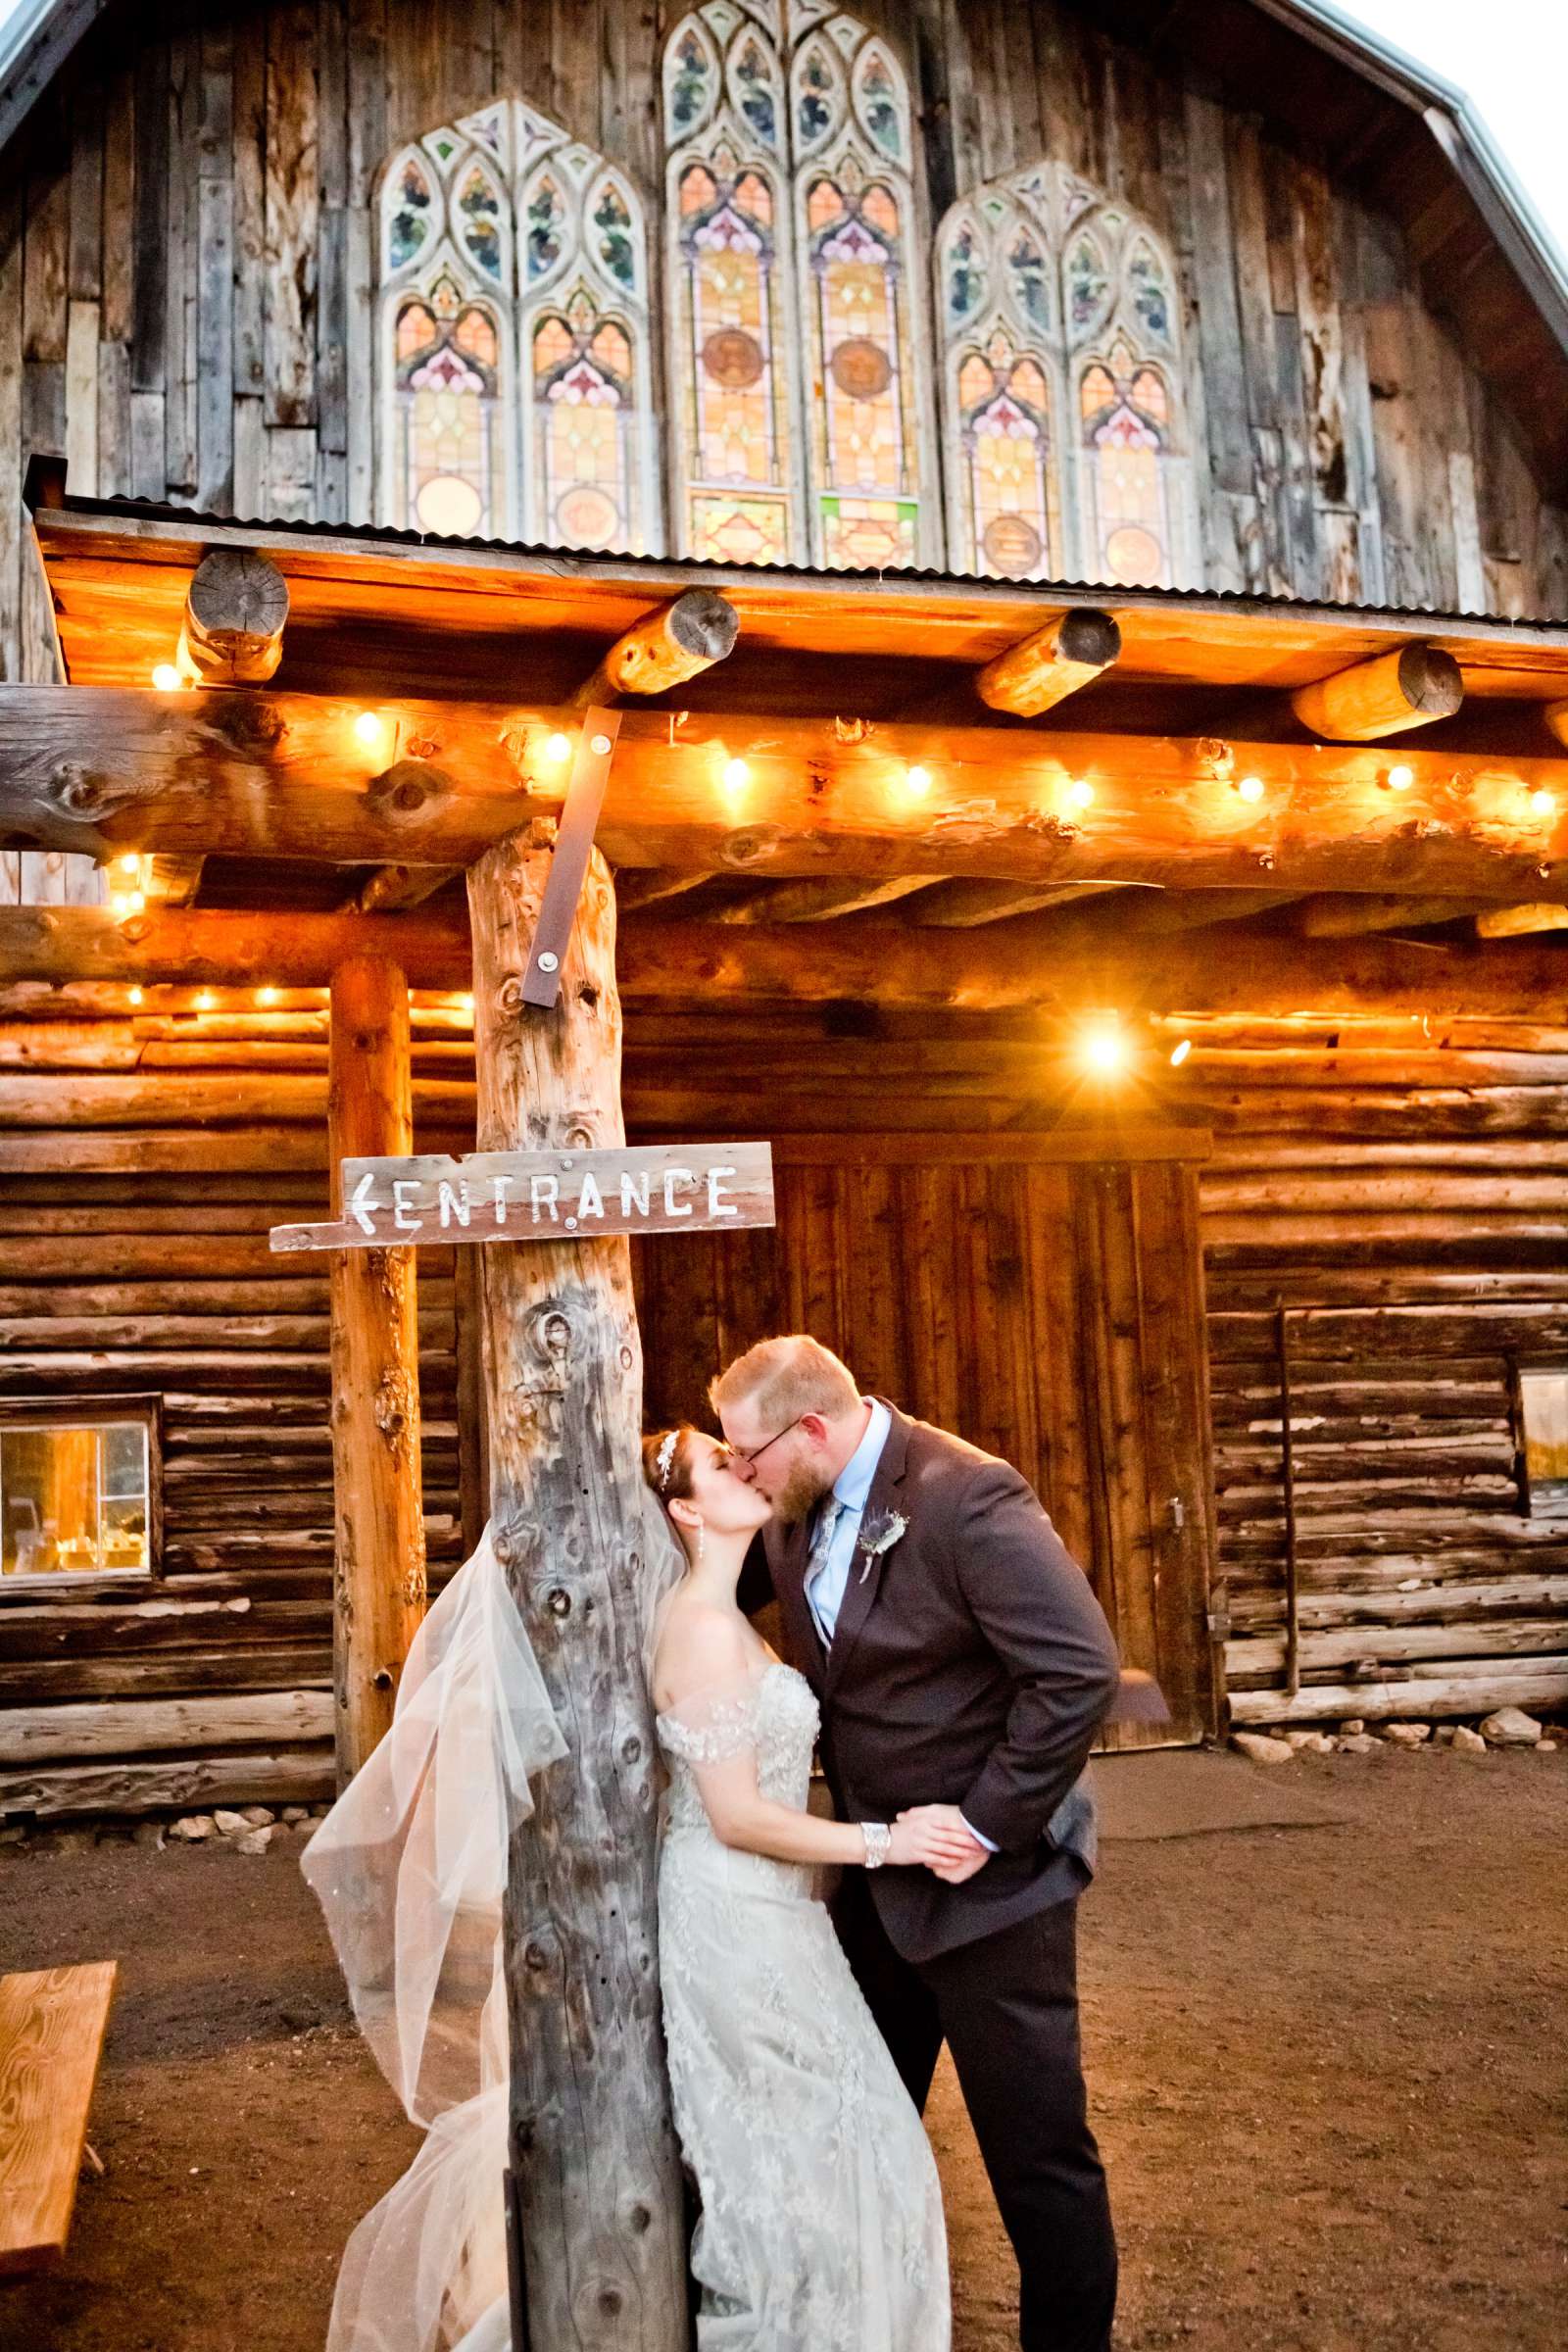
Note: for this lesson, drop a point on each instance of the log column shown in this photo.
(379, 1546)
(592, 2143)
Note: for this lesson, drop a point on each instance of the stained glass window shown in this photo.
(797, 298)
(515, 316)
(1049, 292)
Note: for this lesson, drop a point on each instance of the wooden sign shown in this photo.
(545, 1197)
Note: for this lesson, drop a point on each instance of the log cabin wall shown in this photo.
(1403, 1196)
(185, 262)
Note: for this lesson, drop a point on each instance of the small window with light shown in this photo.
(1543, 1420)
(79, 1487)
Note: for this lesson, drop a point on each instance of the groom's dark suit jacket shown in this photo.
(971, 1665)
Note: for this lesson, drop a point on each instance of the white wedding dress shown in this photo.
(821, 2225)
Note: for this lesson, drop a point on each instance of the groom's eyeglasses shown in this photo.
(757, 1452)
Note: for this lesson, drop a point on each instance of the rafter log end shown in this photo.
(1068, 654)
(1411, 687)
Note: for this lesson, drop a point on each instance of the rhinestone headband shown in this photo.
(665, 1457)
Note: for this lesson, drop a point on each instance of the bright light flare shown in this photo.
(1080, 794)
(267, 995)
(916, 783)
(206, 1000)
(558, 747)
(1542, 805)
(1401, 779)
(369, 727)
(1103, 1050)
(1250, 788)
(166, 678)
(135, 996)
(1180, 1052)
(737, 775)
(125, 901)
(130, 865)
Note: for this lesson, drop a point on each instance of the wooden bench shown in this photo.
(52, 2027)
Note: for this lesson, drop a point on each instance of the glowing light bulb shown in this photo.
(1080, 795)
(916, 782)
(125, 901)
(1250, 788)
(165, 677)
(130, 865)
(558, 747)
(206, 1000)
(1104, 1048)
(135, 996)
(267, 996)
(737, 775)
(1401, 779)
(1543, 804)
(368, 727)
(466, 1005)
(1180, 1052)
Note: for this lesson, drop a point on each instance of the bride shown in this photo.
(821, 2221)
(821, 2217)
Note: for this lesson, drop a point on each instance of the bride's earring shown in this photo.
(701, 1538)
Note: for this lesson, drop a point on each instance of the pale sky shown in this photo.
(1511, 56)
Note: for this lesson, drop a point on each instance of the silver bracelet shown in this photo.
(878, 1839)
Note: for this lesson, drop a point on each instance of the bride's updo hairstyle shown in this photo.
(667, 1463)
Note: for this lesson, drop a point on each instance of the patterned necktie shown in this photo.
(831, 1512)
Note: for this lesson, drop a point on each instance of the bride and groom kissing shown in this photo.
(949, 1664)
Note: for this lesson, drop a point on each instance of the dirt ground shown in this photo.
(1328, 2065)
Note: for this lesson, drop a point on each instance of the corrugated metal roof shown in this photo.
(560, 559)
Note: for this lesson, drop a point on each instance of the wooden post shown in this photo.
(379, 1591)
(593, 2146)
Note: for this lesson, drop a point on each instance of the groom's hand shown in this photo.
(962, 1853)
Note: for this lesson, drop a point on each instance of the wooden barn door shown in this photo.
(1051, 1311)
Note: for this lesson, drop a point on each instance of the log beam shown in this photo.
(1515, 922)
(592, 2140)
(1349, 913)
(1068, 654)
(965, 905)
(1386, 695)
(378, 1518)
(823, 901)
(1063, 967)
(106, 770)
(676, 643)
(235, 611)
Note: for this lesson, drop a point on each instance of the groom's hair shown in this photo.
(785, 1378)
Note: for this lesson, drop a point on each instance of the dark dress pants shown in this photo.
(1008, 2009)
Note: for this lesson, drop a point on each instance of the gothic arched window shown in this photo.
(1047, 294)
(514, 338)
(797, 345)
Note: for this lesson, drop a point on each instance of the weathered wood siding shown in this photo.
(133, 1259)
(186, 252)
(1410, 1202)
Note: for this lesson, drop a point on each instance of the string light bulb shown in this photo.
(130, 865)
(1103, 1047)
(1080, 793)
(1543, 804)
(1401, 779)
(205, 1000)
(737, 775)
(558, 747)
(135, 996)
(166, 678)
(267, 996)
(916, 782)
(1250, 788)
(125, 901)
(369, 727)
(1180, 1052)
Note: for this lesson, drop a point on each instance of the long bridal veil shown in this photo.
(409, 1868)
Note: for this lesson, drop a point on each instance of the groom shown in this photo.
(960, 1659)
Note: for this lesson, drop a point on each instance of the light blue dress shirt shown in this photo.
(825, 1590)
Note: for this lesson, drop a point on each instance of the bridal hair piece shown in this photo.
(665, 1457)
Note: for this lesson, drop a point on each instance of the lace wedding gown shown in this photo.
(822, 2225)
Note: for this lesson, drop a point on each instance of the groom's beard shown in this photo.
(802, 1490)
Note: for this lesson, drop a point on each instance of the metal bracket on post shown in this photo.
(574, 841)
(517, 2282)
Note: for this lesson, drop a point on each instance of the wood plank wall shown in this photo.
(186, 256)
(1407, 1193)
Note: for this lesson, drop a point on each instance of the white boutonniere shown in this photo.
(879, 1534)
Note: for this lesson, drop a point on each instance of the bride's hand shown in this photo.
(925, 1836)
